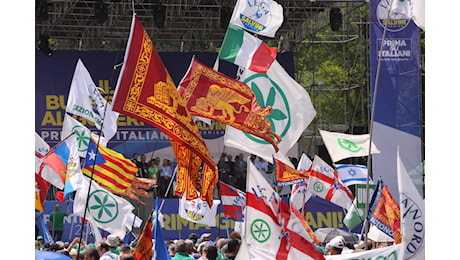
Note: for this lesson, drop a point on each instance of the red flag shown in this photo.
(41, 189)
(214, 95)
(145, 91)
(286, 175)
(60, 196)
(143, 249)
(233, 201)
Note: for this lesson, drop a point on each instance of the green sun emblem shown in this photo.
(349, 145)
(82, 138)
(102, 206)
(280, 119)
(318, 187)
(260, 230)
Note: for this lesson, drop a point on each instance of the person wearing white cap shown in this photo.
(113, 241)
(335, 246)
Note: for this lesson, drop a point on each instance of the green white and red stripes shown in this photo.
(243, 49)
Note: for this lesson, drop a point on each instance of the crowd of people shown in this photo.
(192, 248)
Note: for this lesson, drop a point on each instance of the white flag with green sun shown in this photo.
(292, 112)
(108, 211)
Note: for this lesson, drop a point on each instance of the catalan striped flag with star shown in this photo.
(111, 169)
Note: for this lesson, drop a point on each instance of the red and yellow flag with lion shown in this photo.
(208, 93)
(145, 91)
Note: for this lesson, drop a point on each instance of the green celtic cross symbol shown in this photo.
(82, 138)
(349, 145)
(318, 186)
(102, 206)
(260, 230)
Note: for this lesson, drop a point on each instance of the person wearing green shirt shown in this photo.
(56, 221)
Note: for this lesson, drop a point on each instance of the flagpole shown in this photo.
(371, 125)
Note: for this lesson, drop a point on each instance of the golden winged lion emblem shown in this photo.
(220, 99)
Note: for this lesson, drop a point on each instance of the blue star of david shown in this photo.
(352, 172)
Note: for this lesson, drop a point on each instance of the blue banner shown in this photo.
(397, 106)
(53, 76)
(320, 214)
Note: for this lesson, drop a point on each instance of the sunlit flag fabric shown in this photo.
(45, 171)
(111, 168)
(82, 132)
(41, 188)
(145, 91)
(384, 212)
(245, 50)
(412, 209)
(411, 9)
(211, 94)
(286, 175)
(325, 183)
(341, 146)
(272, 231)
(198, 211)
(161, 252)
(299, 193)
(106, 210)
(65, 161)
(263, 17)
(292, 112)
(233, 201)
(352, 174)
(354, 216)
(86, 101)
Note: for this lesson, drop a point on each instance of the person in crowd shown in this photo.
(235, 235)
(92, 254)
(144, 167)
(181, 253)
(210, 252)
(114, 241)
(193, 237)
(127, 257)
(40, 241)
(190, 248)
(253, 158)
(165, 178)
(124, 250)
(335, 246)
(240, 172)
(223, 169)
(56, 221)
(204, 237)
(104, 251)
(171, 249)
(153, 170)
(219, 244)
(231, 173)
(261, 165)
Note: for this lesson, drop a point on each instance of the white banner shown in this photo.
(393, 252)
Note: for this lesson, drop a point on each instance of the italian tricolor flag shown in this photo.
(243, 49)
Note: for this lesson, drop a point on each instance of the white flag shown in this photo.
(412, 209)
(325, 183)
(411, 9)
(263, 17)
(82, 132)
(108, 211)
(41, 148)
(341, 146)
(271, 230)
(198, 211)
(292, 112)
(86, 101)
(352, 174)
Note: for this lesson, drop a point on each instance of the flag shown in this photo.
(325, 183)
(341, 146)
(263, 17)
(44, 170)
(60, 196)
(272, 231)
(86, 101)
(65, 161)
(198, 211)
(82, 132)
(354, 216)
(286, 175)
(47, 238)
(410, 9)
(143, 249)
(292, 112)
(41, 189)
(299, 193)
(247, 51)
(233, 201)
(111, 168)
(214, 95)
(305, 163)
(145, 91)
(412, 209)
(305, 224)
(108, 211)
(384, 212)
(161, 252)
(352, 174)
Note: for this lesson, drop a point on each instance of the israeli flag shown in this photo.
(352, 174)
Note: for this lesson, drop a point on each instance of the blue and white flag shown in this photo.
(263, 17)
(161, 252)
(352, 174)
(47, 238)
